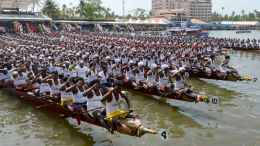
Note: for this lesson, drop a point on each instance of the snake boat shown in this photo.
(57, 108)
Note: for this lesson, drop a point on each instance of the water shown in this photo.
(233, 121)
(232, 34)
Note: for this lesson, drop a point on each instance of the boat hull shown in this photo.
(57, 108)
(244, 48)
(213, 76)
(170, 96)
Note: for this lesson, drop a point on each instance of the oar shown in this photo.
(45, 105)
(66, 116)
(126, 112)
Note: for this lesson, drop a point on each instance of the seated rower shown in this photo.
(66, 97)
(116, 68)
(55, 83)
(5, 74)
(31, 76)
(164, 75)
(79, 101)
(196, 64)
(139, 75)
(185, 61)
(92, 72)
(180, 82)
(82, 70)
(151, 76)
(94, 95)
(129, 74)
(19, 79)
(104, 77)
(44, 87)
(224, 69)
(210, 66)
(112, 99)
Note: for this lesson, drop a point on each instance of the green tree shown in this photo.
(51, 9)
(80, 8)
(222, 10)
(243, 12)
(113, 14)
(107, 14)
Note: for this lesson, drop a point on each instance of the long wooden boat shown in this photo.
(189, 98)
(200, 74)
(244, 48)
(56, 107)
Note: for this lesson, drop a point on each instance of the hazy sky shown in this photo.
(230, 5)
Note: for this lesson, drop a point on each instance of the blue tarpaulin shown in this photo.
(193, 24)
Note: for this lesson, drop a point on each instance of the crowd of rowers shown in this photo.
(241, 43)
(78, 70)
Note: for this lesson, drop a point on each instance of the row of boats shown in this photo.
(56, 107)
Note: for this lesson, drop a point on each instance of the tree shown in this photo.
(222, 10)
(149, 14)
(113, 14)
(128, 16)
(80, 8)
(107, 15)
(51, 9)
(243, 12)
(63, 11)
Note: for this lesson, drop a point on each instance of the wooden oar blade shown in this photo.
(67, 116)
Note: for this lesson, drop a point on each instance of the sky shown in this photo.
(230, 5)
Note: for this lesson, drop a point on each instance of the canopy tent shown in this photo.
(139, 21)
(154, 22)
(131, 20)
(21, 4)
(162, 22)
(146, 21)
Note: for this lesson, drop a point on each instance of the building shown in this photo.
(174, 15)
(197, 9)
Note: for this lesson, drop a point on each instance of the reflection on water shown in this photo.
(233, 121)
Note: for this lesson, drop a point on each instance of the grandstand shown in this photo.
(10, 11)
(14, 10)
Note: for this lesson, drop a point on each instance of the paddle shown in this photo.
(66, 116)
(45, 105)
(126, 112)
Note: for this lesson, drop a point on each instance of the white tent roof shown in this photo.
(117, 20)
(162, 22)
(21, 4)
(131, 20)
(154, 21)
(139, 21)
(146, 21)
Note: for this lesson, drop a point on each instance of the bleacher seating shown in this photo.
(23, 17)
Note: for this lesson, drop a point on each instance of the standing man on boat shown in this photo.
(112, 99)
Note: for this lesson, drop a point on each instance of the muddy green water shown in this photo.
(235, 120)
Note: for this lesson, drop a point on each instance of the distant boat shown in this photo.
(185, 31)
(243, 31)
